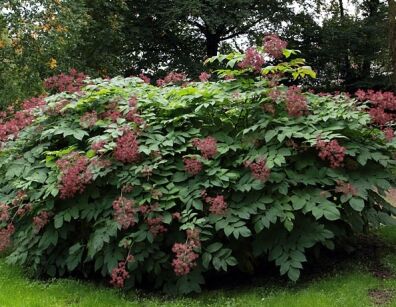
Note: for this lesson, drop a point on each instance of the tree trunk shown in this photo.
(392, 38)
(346, 65)
(212, 44)
(341, 7)
(373, 8)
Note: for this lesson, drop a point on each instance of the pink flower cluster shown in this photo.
(207, 146)
(119, 275)
(71, 83)
(4, 212)
(173, 77)
(145, 78)
(259, 169)
(156, 226)
(99, 145)
(124, 212)
(192, 166)
(193, 238)
(57, 109)
(389, 134)
(217, 204)
(274, 94)
(88, 119)
(127, 188)
(75, 175)
(269, 108)
(19, 198)
(147, 171)
(274, 46)
(12, 123)
(253, 59)
(132, 102)
(331, 151)
(176, 216)
(204, 76)
(274, 78)
(133, 114)
(156, 194)
(127, 148)
(382, 105)
(186, 258)
(111, 112)
(345, 188)
(32, 103)
(146, 209)
(5, 237)
(385, 100)
(100, 163)
(24, 209)
(41, 220)
(296, 103)
(380, 117)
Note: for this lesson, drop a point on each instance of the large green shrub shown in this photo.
(160, 185)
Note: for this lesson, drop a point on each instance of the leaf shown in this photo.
(231, 261)
(244, 231)
(206, 258)
(101, 236)
(49, 237)
(293, 274)
(357, 204)
(180, 177)
(15, 169)
(58, 221)
(331, 213)
(214, 247)
(74, 248)
(363, 157)
(270, 135)
(39, 175)
(287, 52)
(298, 202)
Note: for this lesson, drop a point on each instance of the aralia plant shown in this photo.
(160, 185)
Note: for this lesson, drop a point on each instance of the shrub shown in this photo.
(161, 185)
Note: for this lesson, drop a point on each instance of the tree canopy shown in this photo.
(351, 46)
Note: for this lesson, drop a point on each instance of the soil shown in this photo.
(380, 296)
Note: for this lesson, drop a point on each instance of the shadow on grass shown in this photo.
(361, 278)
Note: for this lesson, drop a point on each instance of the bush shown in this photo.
(161, 185)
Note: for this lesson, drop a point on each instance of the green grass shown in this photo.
(343, 287)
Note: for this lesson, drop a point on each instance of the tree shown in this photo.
(392, 37)
(108, 38)
(41, 38)
(176, 34)
(348, 48)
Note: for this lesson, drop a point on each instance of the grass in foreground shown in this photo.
(353, 286)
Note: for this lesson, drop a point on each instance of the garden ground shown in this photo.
(351, 282)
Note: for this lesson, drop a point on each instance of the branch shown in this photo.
(198, 25)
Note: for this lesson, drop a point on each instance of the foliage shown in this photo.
(109, 38)
(349, 48)
(162, 185)
(37, 40)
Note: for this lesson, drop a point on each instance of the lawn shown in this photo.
(350, 284)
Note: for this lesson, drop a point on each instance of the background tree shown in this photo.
(350, 44)
(40, 39)
(392, 37)
(155, 35)
(348, 48)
